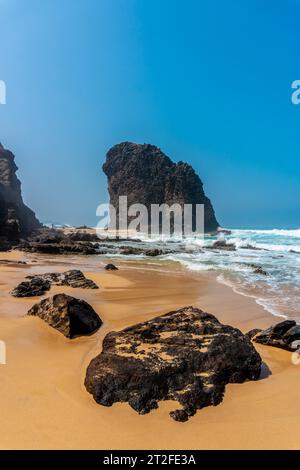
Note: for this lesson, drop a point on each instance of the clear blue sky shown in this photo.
(207, 81)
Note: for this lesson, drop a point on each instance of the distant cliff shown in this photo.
(16, 219)
(147, 176)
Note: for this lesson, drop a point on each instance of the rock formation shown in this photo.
(147, 176)
(282, 335)
(16, 219)
(39, 284)
(186, 355)
(70, 316)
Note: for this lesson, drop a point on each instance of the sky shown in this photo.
(209, 82)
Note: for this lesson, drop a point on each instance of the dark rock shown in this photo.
(154, 252)
(16, 219)
(251, 247)
(253, 333)
(70, 316)
(147, 176)
(222, 245)
(32, 288)
(186, 355)
(282, 335)
(260, 270)
(111, 267)
(256, 269)
(73, 278)
(179, 415)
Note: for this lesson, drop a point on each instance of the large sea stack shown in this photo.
(16, 219)
(147, 176)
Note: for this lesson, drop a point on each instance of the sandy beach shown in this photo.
(44, 404)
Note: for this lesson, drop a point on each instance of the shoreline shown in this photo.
(44, 404)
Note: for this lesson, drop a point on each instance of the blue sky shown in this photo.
(209, 82)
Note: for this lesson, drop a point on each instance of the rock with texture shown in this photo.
(39, 284)
(186, 355)
(16, 219)
(36, 286)
(147, 176)
(285, 335)
(70, 316)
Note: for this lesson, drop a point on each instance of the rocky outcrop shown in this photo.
(52, 241)
(35, 287)
(16, 219)
(186, 355)
(282, 335)
(147, 176)
(39, 284)
(70, 316)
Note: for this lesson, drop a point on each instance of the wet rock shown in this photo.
(34, 287)
(222, 245)
(282, 335)
(261, 271)
(70, 316)
(111, 267)
(185, 355)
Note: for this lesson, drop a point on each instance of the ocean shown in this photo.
(277, 252)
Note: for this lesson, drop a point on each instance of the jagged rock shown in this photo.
(282, 335)
(222, 245)
(111, 267)
(16, 219)
(70, 316)
(185, 355)
(36, 286)
(73, 278)
(147, 176)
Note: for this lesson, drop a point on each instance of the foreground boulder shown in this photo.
(186, 355)
(282, 335)
(70, 316)
(38, 285)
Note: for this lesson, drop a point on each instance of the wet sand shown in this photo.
(43, 402)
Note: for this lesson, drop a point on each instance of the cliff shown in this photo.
(147, 176)
(16, 219)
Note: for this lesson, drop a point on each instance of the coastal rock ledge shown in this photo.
(186, 355)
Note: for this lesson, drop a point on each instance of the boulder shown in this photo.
(36, 286)
(111, 267)
(186, 355)
(282, 335)
(70, 316)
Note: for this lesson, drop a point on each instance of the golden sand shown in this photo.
(43, 402)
